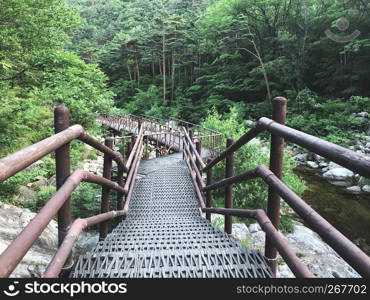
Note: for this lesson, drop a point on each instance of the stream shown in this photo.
(349, 213)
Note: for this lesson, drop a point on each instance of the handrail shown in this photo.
(21, 159)
(14, 253)
(198, 157)
(55, 266)
(349, 251)
(354, 161)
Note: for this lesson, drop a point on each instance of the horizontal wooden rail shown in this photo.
(250, 135)
(54, 268)
(194, 150)
(352, 160)
(21, 159)
(345, 248)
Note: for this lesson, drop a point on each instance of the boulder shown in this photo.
(363, 114)
(33, 166)
(339, 176)
(312, 164)
(255, 227)
(25, 194)
(12, 221)
(302, 157)
(320, 259)
(366, 188)
(240, 231)
(354, 189)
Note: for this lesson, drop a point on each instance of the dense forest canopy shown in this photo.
(183, 58)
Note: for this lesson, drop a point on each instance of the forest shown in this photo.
(216, 62)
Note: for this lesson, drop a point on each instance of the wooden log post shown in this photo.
(279, 106)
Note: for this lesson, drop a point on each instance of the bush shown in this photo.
(251, 194)
(85, 200)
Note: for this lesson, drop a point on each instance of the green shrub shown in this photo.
(85, 200)
(253, 193)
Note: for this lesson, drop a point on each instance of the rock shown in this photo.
(319, 158)
(367, 145)
(85, 242)
(312, 164)
(301, 157)
(52, 180)
(339, 176)
(25, 194)
(12, 221)
(323, 164)
(249, 123)
(354, 189)
(240, 231)
(366, 188)
(33, 166)
(333, 165)
(321, 259)
(255, 227)
(41, 182)
(363, 114)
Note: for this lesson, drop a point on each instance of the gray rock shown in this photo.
(323, 164)
(354, 189)
(255, 227)
(339, 176)
(333, 165)
(240, 231)
(303, 157)
(33, 166)
(41, 182)
(249, 123)
(366, 188)
(312, 164)
(52, 180)
(85, 242)
(12, 222)
(25, 194)
(363, 114)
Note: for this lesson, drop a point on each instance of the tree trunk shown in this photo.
(164, 65)
(173, 76)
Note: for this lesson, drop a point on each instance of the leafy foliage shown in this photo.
(251, 194)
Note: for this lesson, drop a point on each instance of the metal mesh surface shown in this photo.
(164, 235)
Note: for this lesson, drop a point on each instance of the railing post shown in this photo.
(209, 193)
(279, 106)
(107, 173)
(63, 171)
(229, 189)
(198, 145)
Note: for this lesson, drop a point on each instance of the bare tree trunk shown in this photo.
(164, 64)
(173, 76)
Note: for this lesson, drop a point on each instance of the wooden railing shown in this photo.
(61, 202)
(272, 176)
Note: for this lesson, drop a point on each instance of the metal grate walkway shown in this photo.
(164, 235)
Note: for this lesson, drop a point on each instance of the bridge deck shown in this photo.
(164, 235)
